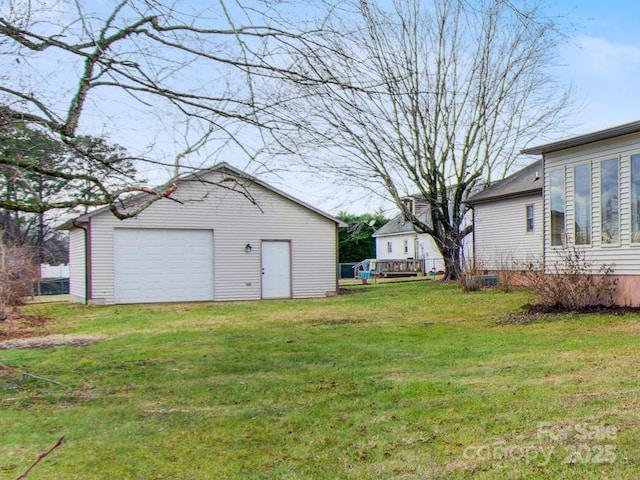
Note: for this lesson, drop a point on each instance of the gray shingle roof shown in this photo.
(585, 139)
(398, 224)
(523, 182)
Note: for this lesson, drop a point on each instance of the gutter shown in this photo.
(87, 277)
(525, 193)
(585, 139)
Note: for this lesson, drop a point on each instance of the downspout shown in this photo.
(86, 260)
(544, 216)
(473, 235)
(337, 241)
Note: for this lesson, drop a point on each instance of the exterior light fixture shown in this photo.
(248, 248)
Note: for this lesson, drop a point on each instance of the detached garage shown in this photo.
(223, 235)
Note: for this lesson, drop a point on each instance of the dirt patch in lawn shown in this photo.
(50, 341)
(532, 313)
(17, 325)
(350, 291)
(335, 321)
(29, 331)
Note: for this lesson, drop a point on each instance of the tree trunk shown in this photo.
(451, 255)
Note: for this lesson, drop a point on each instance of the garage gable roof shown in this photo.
(219, 167)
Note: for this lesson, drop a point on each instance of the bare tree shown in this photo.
(444, 94)
(78, 67)
(25, 189)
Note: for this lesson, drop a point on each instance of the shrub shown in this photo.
(17, 273)
(505, 280)
(468, 280)
(572, 283)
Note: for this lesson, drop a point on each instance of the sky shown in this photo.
(600, 59)
(601, 62)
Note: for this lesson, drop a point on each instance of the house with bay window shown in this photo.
(591, 201)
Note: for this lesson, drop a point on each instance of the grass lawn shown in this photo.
(401, 380)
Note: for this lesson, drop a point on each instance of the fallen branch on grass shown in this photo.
(41, 457)
(31, 375)
(27, 374)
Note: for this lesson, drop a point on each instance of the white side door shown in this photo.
(276, 269)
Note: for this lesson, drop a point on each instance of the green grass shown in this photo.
(403, 380)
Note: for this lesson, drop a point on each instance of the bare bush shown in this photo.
(505, 280)
(473, 278)
(507, 269)
(572, 283)
(470, 277)
(17, 274)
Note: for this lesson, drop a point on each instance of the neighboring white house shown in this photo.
(592, 202)
(508, 221)
(398, 240)
(230, 237)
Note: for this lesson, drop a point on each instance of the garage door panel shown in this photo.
(163, 265)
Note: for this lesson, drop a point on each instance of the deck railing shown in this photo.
(391, 266)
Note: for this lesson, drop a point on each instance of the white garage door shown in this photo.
(153, 265)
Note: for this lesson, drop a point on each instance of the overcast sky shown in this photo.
(601, 60)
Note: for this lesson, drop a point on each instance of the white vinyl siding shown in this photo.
(623, 255)
(236, 222)
(500, 237)
(428, 251)
(426, 248)
(77, 272)
(391, 246)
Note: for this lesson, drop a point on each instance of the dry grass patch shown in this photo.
(51, 341)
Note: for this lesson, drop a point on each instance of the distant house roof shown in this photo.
(219, 167)
(585, 139)
(399, 224)
(524, 182)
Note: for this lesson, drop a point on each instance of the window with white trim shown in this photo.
(609, 201)
(557, 199)
(582, 204)
(530, 217)
(635, 198)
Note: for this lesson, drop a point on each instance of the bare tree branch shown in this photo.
(444, 95)
(41, 457)
(212, 68)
